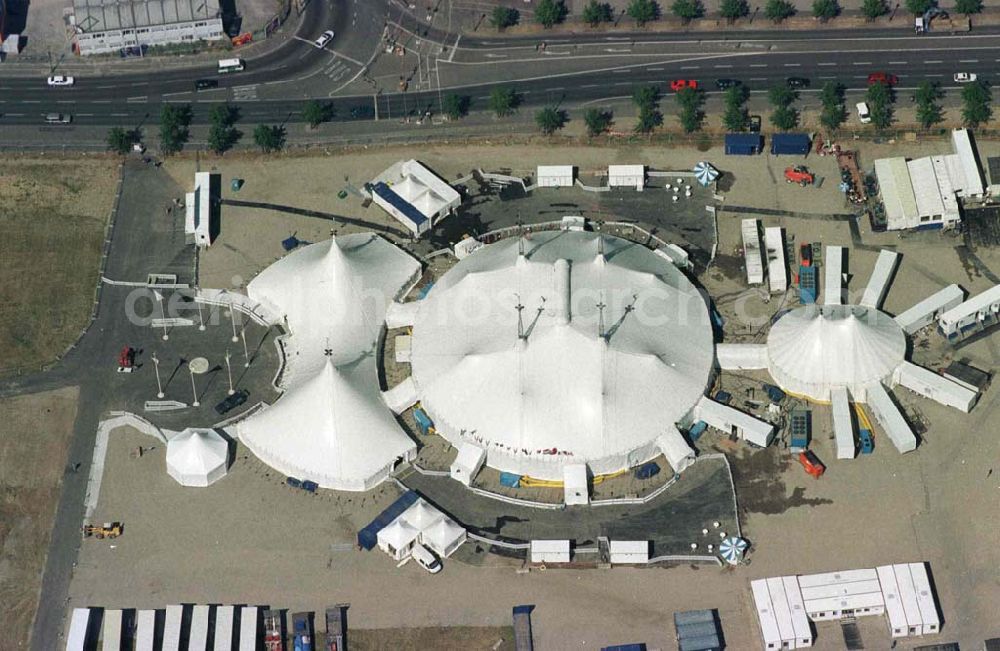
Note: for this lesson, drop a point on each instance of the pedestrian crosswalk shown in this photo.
(245, 93)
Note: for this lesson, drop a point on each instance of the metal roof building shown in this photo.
(109, 25)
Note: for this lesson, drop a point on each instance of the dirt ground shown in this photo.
(53, 221)
(31, 470)
(455, 638)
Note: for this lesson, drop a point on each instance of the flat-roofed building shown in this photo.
(104, 26)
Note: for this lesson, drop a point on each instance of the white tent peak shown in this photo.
(197, 457)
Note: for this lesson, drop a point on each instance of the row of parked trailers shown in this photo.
(751, 144)
(772, 253)
(200, 628)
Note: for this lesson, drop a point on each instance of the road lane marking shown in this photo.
(661, 69)
(723, 66)
(618, 72)
(758, 78)
(968, 60)
(758, 65)
(142, 98)
(935, 61)
(690, 67)
(793, 65)
(828, 64)
(862, 63)
(827, 77)
(590, 86)
(898, 63)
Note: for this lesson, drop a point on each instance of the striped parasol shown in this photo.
(732, 549)
(705, 173)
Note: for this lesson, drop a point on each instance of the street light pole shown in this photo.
(163, 313)
(201, 316)
(194, 388)
(156, 369)
(232, 318)
(246, 355)
(229, 371)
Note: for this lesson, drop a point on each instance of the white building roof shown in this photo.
(741, 356)
(815, 348)
(626, 170)
(980, 302)
(897, 192)
(752, 258)
(833, 287)
(971, 184)
(878, 282)
(197, 457)
(332, 426)
(887, 414)
(921, 314)
(676, 449)
(777, 272)
(420, 187)
(553, 391)
(936, 387)
(843, 426)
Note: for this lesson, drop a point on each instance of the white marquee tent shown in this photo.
(443, 537)
(611, 344)
(398, 538)
(197, 457)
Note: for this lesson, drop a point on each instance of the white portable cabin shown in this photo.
(925, 598)
(741, 356)
(726, 418)
(172, 628)
(111, 632)
(624, 552)
(975, 310)
(843, 426)
(765, 617)
(198, 640)
(965, 152)
(467, 463)
(555, 176)
(249, 627)
(881, 276)
(908, 596)
(888, 416)
(777, 270)
(833, 286)
(800, 617)
(549, 551)
(145, 630)
(224, 628)
(76, 638)
(627, 176)
(928, 310)
(782, 611)
(675, 449)
(751, 251)
(894, 612)
(576, 489)
(934, 386)
(833, 595)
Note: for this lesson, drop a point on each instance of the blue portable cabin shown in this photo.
(697, 430)
(368, 536)
(424, 422)
(790, 143)
(723, 396)
(807, 285)
(774, 394)
(867, 444)
(510, 480)
(647, 470)
(744, 144)
(625, 647)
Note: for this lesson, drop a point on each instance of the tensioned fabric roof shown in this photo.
(817, 347)
(509, 352)
(197, 457)
(331, 426)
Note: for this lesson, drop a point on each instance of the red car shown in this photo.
(681, 84)
(883, 77)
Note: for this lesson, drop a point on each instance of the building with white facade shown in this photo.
(104, 26)
(414, 195)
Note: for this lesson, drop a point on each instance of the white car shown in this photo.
(965, 77)
(323, 39)
(864, 115)
(59, 80)
(425, 558)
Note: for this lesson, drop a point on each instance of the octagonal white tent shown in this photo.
(197, 457)
(565, 348)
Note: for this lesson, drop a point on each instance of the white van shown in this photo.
(425, 558)
(864, 115)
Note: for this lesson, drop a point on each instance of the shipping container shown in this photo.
(744, 144)
(777, 271)
(790, 143)
(807, 285)
(752, 257)
(522, 628)
(878, 283)
(336, 627)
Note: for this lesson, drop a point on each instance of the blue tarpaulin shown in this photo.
(790, 143)
(290, 243)
(407, 209)
(744, 144)
(647, 470)
(697, 430)
(368, 537)
(422, 294)
(510, 480)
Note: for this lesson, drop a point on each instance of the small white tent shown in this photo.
(397, 539)
(421, 515)
(443, 537)
(197, 457)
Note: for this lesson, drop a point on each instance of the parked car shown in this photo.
(965, 77)
(426, 559)
(323, 39)
(204, 84)
(797, 82)
(680, 84)
(232, 402)
(812, 464)
(58, 118)
(60, 80)
(754, 125)
(723, 84)
(882, 77)
(864, 115)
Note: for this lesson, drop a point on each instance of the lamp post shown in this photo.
(156, 369)
(246, 355)
(229, 371)
(201, 316)
(194, 388)
(163, 313)
(232, 319)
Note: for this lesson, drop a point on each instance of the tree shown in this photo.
(778, 10)
(688, 10)
(825, 9)
(833, 113)
(504, 17)
(781, 95)
(929, 111)
(595, 12)
(735, 116)
(918, 7)
(550, 119)
(174, 122)
(976, 98)
(733, 9)
(649, 119)
(646, 97)
(120, 141)
(269, 137)
(550, 12)
(643, 11)
(222, 135)
(456, 106)
(968, 7)
(880, 98)
(690, 101)
(872, 9)
(831, 94)
(784, 117)
(503, 101)
(597, 121)
(316, 113)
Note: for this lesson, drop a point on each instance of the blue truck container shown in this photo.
(744, 144)
(522, 628)
(790, 143)
(625, 647)
(697, 430)
(867, 444)
(800, 428)
(367, 537)
(302, 635)
(807, 285)
(510, 480)
(647, 470)
(424, 423)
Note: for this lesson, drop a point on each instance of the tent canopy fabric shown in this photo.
(422, 515)
(443, 537)
(610, 343)
(197, 457)
(817, 347)
(332, 426)
(398, 535)
(705, 173)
